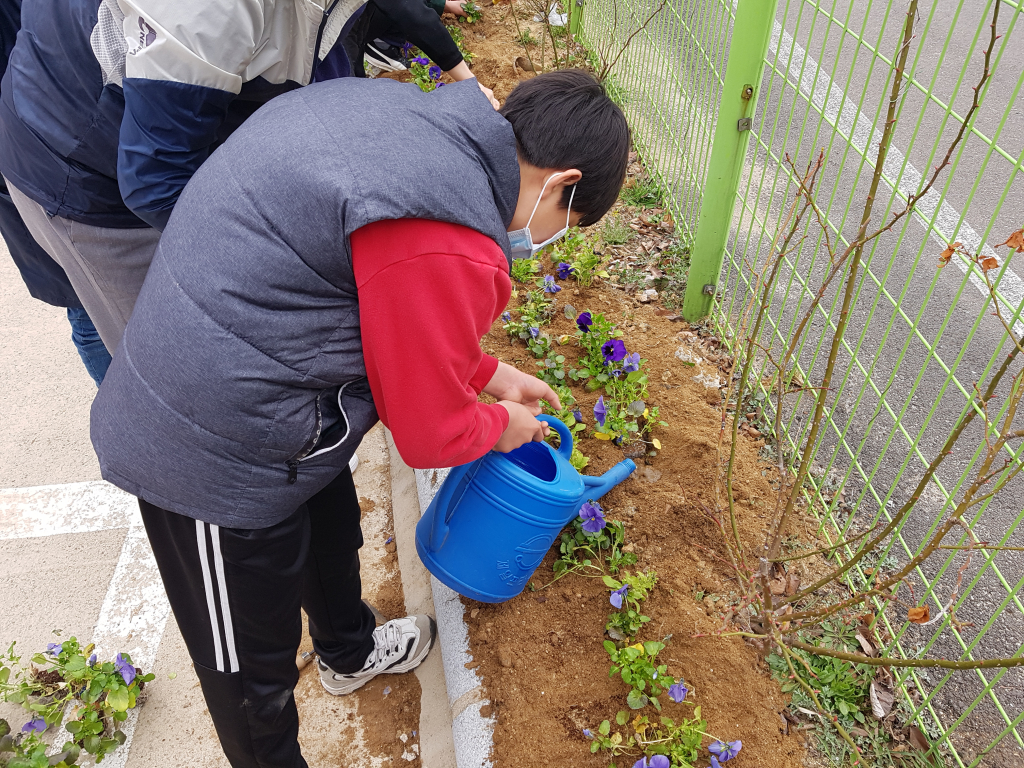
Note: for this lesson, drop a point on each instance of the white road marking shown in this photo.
(135, 609)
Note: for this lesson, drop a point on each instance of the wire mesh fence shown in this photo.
(922, 337)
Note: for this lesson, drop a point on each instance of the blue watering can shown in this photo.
(494, 519)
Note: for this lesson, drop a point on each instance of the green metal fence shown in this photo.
(921, 337)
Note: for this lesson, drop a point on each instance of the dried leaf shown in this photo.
(777, 586)
(859, 732)
(1015, 242)
(947, 254)
(663, 312)
(794, 584)
(989, 262)
(881, 701)
(918, 739)
(919, 615)
(656, 443)
(866, 646)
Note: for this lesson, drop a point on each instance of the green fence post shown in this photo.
(575, 10)
(747, 47)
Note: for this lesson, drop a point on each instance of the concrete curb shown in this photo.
(473, 734)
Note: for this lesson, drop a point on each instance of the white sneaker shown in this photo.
(353, 463)
(398, 646)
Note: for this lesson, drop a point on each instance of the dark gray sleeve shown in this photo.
(421, 26)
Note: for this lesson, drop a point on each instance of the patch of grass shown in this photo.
(526, 38)
(643, 193)
(615, 231)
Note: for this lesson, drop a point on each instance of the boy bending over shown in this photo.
(298, 295)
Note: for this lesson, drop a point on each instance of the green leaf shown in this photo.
(118, 699)
(605, 728)
(609, 646)
(5, 674)
(636, 700)
(91, 744)
(621, 717)
(610, 582)
(73, 726)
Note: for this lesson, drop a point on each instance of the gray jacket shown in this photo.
(239, 389)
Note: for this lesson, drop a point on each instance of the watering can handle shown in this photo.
(439, 525)
(565, 447)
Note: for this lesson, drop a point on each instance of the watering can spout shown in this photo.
(599, 486)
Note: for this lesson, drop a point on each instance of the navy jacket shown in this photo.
(44, 277)
(239, 389)
(109, 106)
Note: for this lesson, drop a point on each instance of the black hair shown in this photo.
(564, 119)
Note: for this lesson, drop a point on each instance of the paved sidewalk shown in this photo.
(74, 558)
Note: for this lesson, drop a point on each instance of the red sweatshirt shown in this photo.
(428, 292)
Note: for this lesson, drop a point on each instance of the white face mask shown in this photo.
(522, 240)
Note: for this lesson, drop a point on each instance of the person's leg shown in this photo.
(236, 596)
(351, 651)
(106, 266)
(89, 344)
(340, 623)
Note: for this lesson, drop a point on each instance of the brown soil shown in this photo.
(541, 654)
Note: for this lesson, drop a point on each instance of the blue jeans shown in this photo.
(90, 348)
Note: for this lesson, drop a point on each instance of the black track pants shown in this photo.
(236, 595)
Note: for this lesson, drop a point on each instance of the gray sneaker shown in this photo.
(398, 646)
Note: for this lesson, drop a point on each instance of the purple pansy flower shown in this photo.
(421, 60)
(613, 350)
(656, 761)
(592, 516)
(550, 286)
(600, 412)
(506, 317)
(725, 750)
(584, 321)
(587, 732)
(438, 84)
(434, 73)
(631, 363)
(677, 692)
(406, 48)
(92, 660)
(715, 763)
(577, 414)
(126, 669)
(54, 649)
(564, 270)
(535, 332)
(617, 595)
(34, 726)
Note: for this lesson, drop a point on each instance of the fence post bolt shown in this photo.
(747, 47)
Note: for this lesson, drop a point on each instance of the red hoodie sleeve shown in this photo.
(428, 292)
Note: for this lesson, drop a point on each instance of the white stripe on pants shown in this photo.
(106, 266)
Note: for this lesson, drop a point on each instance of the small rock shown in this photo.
(505, 657)
(651, 475)
(472, 664)
(474, 613)
(404, 737)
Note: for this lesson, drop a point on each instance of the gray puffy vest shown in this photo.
(239, 389)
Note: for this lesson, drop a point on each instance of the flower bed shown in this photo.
(612, 654)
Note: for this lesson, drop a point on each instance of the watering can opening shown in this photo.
(535, 458)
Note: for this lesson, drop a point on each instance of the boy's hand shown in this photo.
(522, 428)
(511, 384)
